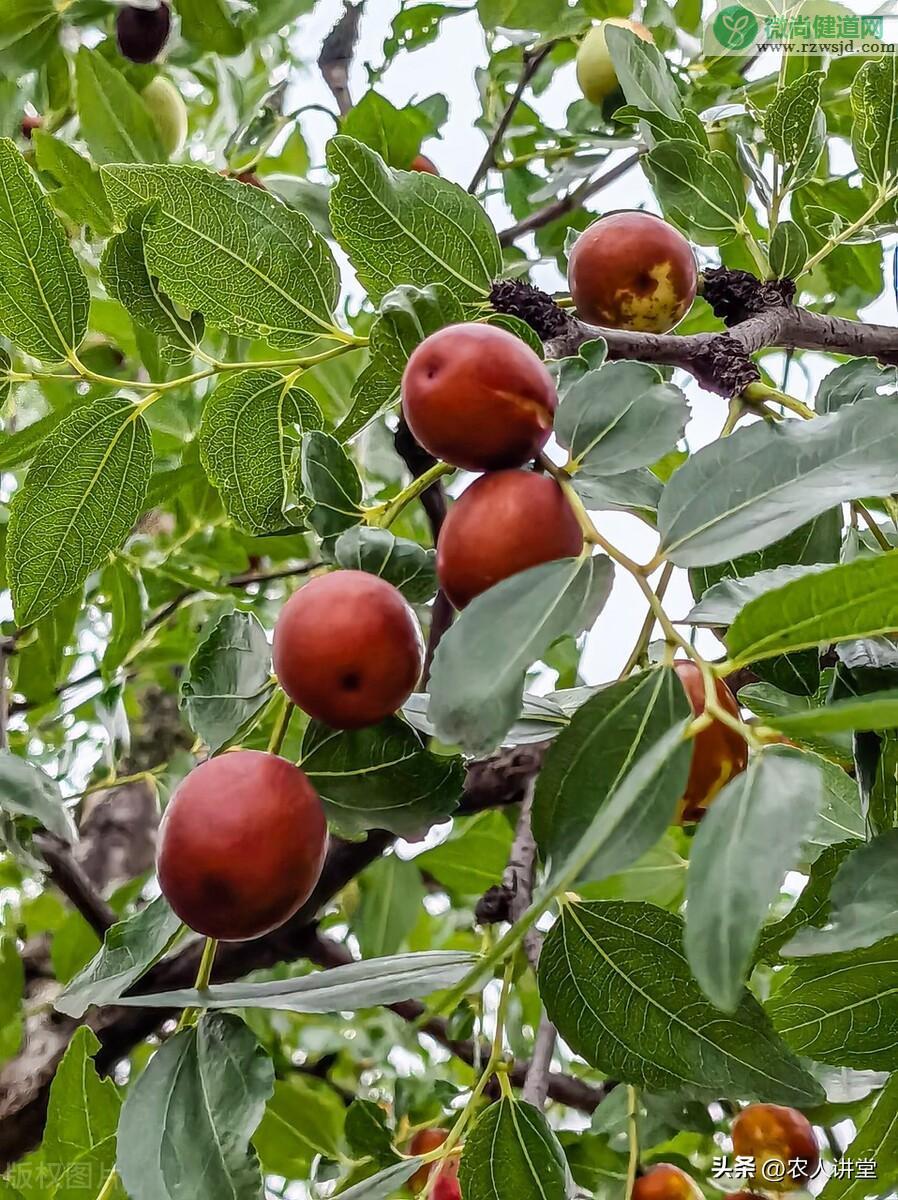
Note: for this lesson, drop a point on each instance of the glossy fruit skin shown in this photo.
(241, 845)
(595, 69)
(424, 1141)
(773, 1133)
(446, 1186)
(664, 1181)
(422, 163)
(141, 33)
(478, 397)
(348, 649)
(631, 270)
(169, 113)
(505, 522)
(29, 124)
(718, 754)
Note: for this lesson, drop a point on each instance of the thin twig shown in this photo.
(74, 884)
(536, 1081)
(573, 200)
(533, 60)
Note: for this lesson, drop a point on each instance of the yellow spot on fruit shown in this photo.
(652, 311)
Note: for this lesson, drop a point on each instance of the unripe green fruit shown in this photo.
(169, 113)
(595, 68)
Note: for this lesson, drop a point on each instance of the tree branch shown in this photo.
(533, 60)
(720, 362)
(573, 200)
(74, 883)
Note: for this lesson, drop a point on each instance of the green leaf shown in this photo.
(210, 25)
(852, 381)
(127, 602)
(630, 489)
(591, 757)
(795, 127)
(877, 1141)
(367, 1133)
(409, 567)
(635, 816)
(874, 133)
(303, 1118)
(407, 315)
(512, 1154)
(863, 903)
(115, 122)
(12, 993)
(28, 30)
(722, 603)
(842, 1009)
(810, 908)
(44, 297)
(480, 665)
(620, 417)
(249, 443)
(618, 989)
(772, 703)
(80, 500)
(81, 1122)
(749, 838)
(382, 777)
(129, 950)
(228, 680)
(701, 190)
(473, 857)
(858, 599)
(384, 1184)
(282, 281)
(187, 1121)
(26, 791)
(876, 711)
(643, 73)
(123, 270)
(331, 482)
(788, 250)
(341, 989)
(745, 491)
(395, 134)
(428, 229)
(842, 815)
(391, 900)
(77, 190)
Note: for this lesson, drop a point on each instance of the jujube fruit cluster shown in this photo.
(243, 800)
(479, 398)
(141, 33)
(348, 649)
(718, 752)
(631, 270)
(596, 72)
(780, 1141)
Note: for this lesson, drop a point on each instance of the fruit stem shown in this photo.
(382, 516)
(281, 725)
(633, 1138)
(756, 393)
(190, 1016)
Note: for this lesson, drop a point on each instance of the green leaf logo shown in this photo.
(735, 27)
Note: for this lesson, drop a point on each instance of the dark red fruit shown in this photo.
(478, 397)
(781, 1141)
(422, 163)
(718, 753)
(141, 33)
(631, 270)
(424, 1142)
(348, 649)
(241, 845)
(503, 523)
(665, 1182)
(29, 124)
